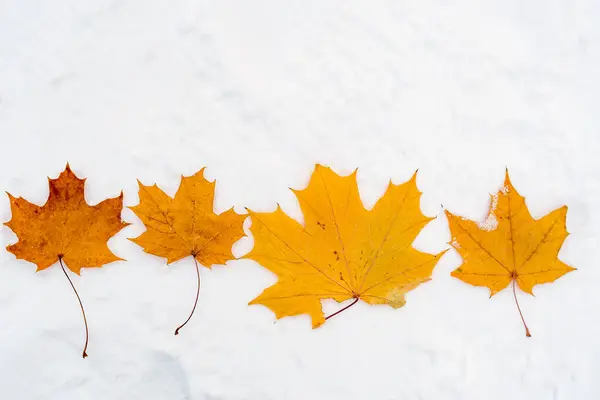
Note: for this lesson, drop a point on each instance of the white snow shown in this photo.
(259, 92)
(491, 222)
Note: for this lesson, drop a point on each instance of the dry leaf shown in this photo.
(510, 246)
(186, 225)
(342, 251)
(66, 229)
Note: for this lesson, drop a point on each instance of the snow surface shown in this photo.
(259, 92)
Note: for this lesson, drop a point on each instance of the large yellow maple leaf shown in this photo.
(66, 229)
(510, 246)
(342, 251)
(186, 225)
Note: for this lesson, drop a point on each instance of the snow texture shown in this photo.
(491, 222)
(259, 92)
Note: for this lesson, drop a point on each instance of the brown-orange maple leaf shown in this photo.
(66, 229)
(186, 225)
(510, 246)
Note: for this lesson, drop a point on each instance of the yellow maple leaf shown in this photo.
(186, 225)
(342, 251)
(66, 229)
(510, 246)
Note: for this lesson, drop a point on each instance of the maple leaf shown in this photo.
(66, 229)
(186, 225)
(511, 246)
(342, 251)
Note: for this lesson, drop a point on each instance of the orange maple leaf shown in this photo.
(510, 246)
(186, 225)
(342, 251)
(66, 229)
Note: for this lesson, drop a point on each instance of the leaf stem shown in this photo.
(343, 309)
(87, 335)
(519, 308)
(196, 301)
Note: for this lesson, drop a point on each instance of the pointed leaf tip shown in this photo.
(506, 177)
